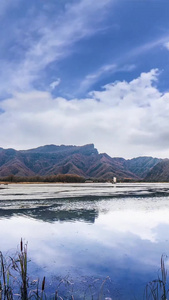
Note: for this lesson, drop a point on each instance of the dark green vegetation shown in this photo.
(85, 162)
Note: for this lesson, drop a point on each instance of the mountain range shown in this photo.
(83, 161)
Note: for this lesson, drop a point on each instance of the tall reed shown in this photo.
(158, 289)
(14, 279)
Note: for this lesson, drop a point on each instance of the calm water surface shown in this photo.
(86, 232)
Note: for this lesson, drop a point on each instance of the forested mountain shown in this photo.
(84, 161)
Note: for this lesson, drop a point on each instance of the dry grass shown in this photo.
(158, 289)
(15, 282)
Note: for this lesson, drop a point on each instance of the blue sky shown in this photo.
(77, 72)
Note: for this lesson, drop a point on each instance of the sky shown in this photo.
(75, 72)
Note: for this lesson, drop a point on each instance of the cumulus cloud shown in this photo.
(124, 119)
(104, 70)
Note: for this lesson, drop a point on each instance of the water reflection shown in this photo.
(51, 214)
(88, 238)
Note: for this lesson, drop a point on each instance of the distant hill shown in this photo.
(141, 166)
(83, 161)
(160, 172)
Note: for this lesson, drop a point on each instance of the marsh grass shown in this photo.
(15, 282)
(158, 289)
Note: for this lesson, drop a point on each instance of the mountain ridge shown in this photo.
(83, 161)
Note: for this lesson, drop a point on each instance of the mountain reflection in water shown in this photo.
(89, 232)
(52, 214)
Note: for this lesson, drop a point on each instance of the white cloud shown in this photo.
(55, 83)
(149, 46)
(40, 41)
(124, 119)
(90, 79)
(54, 40)
(121, 65)
(166, 45)
(103, 71)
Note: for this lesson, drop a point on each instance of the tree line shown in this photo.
(51, 178)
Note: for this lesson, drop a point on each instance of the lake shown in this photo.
(80, 234)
